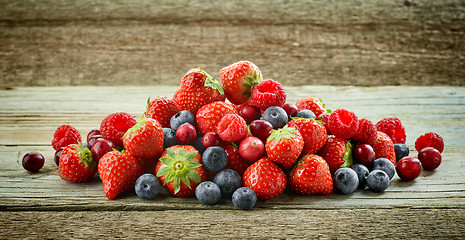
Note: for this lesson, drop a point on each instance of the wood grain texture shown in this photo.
(368, 43)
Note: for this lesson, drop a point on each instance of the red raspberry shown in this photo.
(366, 132)
(232, 128)
(393, 128)
(343, 124)
(311, 103)
(115, 125)
(268, 93)
(64, 136)
(430, 139)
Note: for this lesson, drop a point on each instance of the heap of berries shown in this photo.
(239, 139)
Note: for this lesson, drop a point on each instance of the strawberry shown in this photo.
(384, 147)
(119, 172)
(313, 104)
(208, 116)
(145, 139)
(311, 175)
(265, 178)
(77, 164)
(197, 88)
(238, 79)
(284, 146)
(162, 109)
(337, 153)
(313, 132)
(268, 93)
(235, 161)
(180, 170)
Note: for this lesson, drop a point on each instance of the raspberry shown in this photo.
(393, 128)
(366, 132)
(232, 128)
(64, 136)
(267, 94)
(115, 125)
(430, 139)
(343, 124)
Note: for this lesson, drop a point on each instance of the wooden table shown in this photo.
(42, 205)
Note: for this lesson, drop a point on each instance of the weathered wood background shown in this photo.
(353, 42)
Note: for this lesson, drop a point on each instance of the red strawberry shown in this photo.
(284, 146)
(238, 79)
(337, 153)
(311, 175)
(311, 103)
(161, 109)
(77, 164)
(232, 128)
(366, 132)
(208, 116)
(180, 170)
(145, 139)
(384, 147)
(115, 125)
(265, 178)
(235, 161)
(197, 88)
(268, 93)
(313, 133)
(64, 136)
(119, 172)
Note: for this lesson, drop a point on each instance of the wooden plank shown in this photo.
(305, 42)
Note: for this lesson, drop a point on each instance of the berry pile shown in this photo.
(239, 139)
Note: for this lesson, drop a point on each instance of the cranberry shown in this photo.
(92, 133)
(291, 109)
(261, 128)
(250, 113)
(251, 149)
(186, 134)
(57, 155)
(408, 168)
(430, 158)
(33, 161)
(92, 140)
(100, 147)
(324, 118)
(364, 154)
(211, 139)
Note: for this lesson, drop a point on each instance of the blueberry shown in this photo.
(378, 181)
(362, 173)
(277, 116)
(181, 117)
(147, 186)
(385, 165)
(345, 180)
(402, 150)
(214, 158)
(197, 144)
(244, 198)
(169, 138)
(305, 113)
(208, 193)
(228, 180)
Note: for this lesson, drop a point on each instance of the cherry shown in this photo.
(100, 147)
(430, 158)
(57, 155)
(92, 140)
(92, 133)
(250, 113)
(186, 134)
(408, 168)
(364, 154)
(251, 149)
(261, 129)
(211, 139)
(33, 161)
(291, 109)
(324, 118)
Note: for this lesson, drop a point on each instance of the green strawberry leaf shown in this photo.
(170, 177)
(186, 180)
(282, 133)
(194, 176)
(177, 184)
(347, 157)
(167, 161)
(86, 156)
(191, 155)
(171, 153)
(162, 171)
(193, 165)
(211, 82)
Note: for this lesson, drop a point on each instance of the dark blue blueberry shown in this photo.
(377, 181)
(228, 180)
(169, 138)
(345, 180)
(147, 186)
(362, 173)
(305, 113)
(277, 116)
(180, 118)
(244, 198)
(208, 193)
(214, 158)
(402, 150)
(385, 165)
(197, 144)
